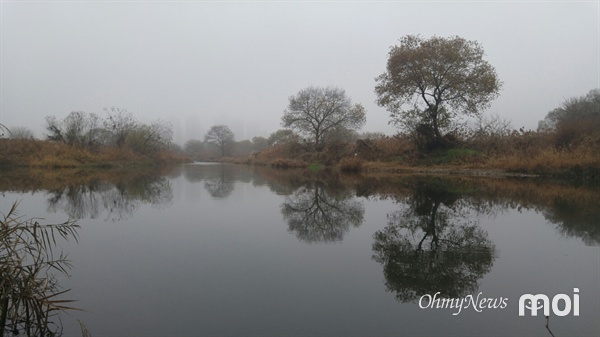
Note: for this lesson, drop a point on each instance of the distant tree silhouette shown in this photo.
(221, 136)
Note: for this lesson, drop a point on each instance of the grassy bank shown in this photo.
(571, 164)
(48, 154)
(517, 155)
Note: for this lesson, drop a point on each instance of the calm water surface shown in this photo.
(223, 250)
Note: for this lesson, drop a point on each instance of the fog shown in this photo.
(197, 64)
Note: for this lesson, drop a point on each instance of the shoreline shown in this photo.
(445, 171)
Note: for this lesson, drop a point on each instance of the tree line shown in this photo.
(435, 91)
(428, 85)
(120, 129)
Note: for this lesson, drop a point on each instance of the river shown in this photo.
(231, 250)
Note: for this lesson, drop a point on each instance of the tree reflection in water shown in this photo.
(219, 179)
(219, 186)
(316, 216)
(575, 218)
(119, 199)
(433, 245)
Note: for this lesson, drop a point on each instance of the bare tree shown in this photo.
(78, 128)
(150, 138)
(194, 148)
(74, 127)
(120, 124)
(20, 132)
(282, 136)
(315, 112)
(221, 136)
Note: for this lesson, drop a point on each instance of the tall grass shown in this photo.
(352, 164)
(49, 154)
(29, 288)
(496, 148)
(550, 161)
(288, 163)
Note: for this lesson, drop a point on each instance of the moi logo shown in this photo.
(541, 301)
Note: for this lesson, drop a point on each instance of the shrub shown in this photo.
(461, 156)
(384, 149)
(314, 167)
(288, 163)
(351, 164)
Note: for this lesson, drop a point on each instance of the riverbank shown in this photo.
(581, 164)
(15, 153)
(564, 172)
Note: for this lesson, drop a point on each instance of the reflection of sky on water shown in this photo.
(202, 264)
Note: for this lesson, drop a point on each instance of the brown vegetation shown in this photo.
(565, 145)
(354, 164)
(51, 154)
(288, 163)
(513, 153)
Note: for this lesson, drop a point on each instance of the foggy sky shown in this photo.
(197, 64)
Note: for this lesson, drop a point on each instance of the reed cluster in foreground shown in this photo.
(30, 292)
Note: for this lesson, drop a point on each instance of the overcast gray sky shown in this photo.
(197, 64)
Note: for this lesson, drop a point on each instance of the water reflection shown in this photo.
(91, 194)
(314, 215)
(198, 172)
(433, 244)
(317, 206)
(574, 210)
(118, 200)
(578, 219)
(219, 180)
(117, 194)
(429, 240)
(219, 187)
